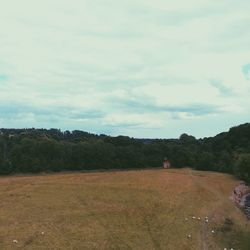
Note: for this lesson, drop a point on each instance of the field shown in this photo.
(148, 209)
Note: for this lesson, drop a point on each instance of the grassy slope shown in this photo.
(120, 210)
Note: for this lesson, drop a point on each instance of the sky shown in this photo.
(145, 69)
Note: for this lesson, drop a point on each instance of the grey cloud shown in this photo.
(224, 90)
(149, 106)
(13, 111)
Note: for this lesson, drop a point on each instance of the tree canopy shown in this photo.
(42, 150)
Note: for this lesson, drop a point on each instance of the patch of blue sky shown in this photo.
(3, 77)
(246, 71)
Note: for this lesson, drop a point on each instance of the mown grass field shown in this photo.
(121, 210)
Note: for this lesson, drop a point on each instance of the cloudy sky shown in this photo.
(143, 68)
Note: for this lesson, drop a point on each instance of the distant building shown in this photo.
(166, 163)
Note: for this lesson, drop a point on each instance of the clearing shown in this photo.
(147, 209)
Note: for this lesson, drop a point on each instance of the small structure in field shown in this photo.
(166, 163)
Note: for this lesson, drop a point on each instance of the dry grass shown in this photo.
(117, 210)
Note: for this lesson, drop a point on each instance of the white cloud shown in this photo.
(139, 121)
(98, 55)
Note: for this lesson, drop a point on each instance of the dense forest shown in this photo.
(42, 150)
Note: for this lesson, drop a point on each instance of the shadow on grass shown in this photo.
(230, 236)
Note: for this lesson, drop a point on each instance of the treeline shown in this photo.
(39, 150)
